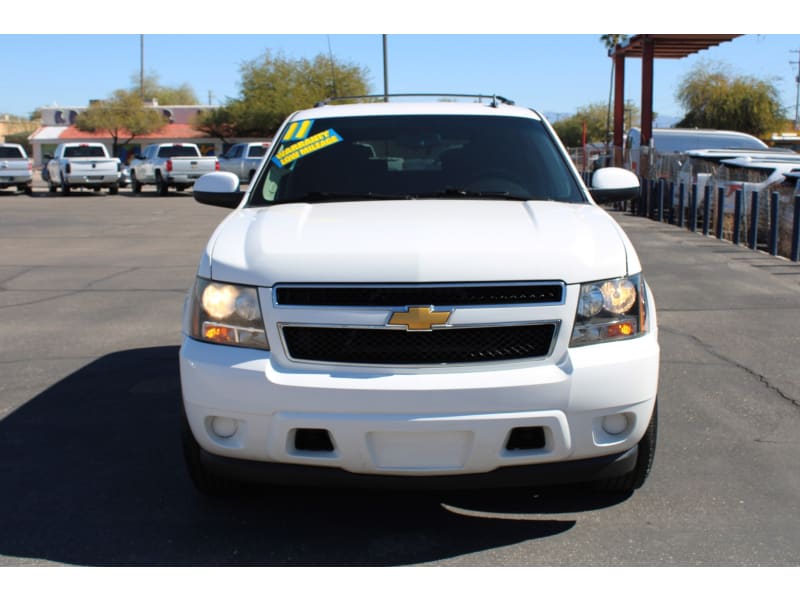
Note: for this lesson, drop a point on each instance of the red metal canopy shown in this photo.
(649, 46)
(668, 45)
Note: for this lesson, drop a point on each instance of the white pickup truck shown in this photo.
(421, 294)
(82, 165)
(167, 166)
(244, 159)
(16, 170)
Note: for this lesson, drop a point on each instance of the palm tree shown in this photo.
(610, 41)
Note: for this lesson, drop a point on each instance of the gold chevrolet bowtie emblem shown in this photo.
(420, 318)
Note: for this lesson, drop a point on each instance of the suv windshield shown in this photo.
(416, 156)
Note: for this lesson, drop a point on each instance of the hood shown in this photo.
(410, 241)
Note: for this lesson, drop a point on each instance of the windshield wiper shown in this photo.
(343, 197)
(462, 193)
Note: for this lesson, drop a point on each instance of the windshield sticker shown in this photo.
(297, 131)
(318, 141)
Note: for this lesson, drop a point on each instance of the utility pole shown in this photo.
(141, 66)
(797, 81)
(385, 72)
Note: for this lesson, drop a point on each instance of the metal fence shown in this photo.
(767, 220)
(724, 204)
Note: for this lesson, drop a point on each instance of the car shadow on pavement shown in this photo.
(91, 473)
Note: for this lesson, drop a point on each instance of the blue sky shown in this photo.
(554, 72)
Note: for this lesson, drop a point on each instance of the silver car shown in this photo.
(243, 159)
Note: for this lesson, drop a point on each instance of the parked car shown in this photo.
(243, 159)
(700, 167)
(419, 294)
(668, 143)
(750, 174)
(167, 166)
(16, 169)
(82, 165)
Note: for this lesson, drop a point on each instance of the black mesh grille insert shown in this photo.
(398, 347)
(455, 295)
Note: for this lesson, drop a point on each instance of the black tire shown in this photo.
(161, 186)
(625, 484)
(136, 185)
(64, 186)
(113, 190)
(51, 186)
(26, 189)
(205, 481)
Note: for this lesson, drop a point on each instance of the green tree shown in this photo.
(123, 117)
(714, 98)
(570, 130)
(151, 89)
(272, 87)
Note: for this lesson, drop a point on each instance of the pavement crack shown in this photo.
(726, 359)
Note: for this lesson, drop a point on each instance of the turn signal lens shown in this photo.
(218, 333)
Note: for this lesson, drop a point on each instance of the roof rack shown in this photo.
(495, 99)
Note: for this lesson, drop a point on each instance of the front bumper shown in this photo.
(545, 474)
(422, 423)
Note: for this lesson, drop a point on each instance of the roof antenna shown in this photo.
(333, 71)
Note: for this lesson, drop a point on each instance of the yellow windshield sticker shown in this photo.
(316, 142)
(298, 131)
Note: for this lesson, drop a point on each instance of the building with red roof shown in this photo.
(58, 126)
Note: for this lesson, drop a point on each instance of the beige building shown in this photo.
(10, 125)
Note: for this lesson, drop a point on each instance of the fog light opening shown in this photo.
(224, 427)
(615, 424)
(526, 438)
(313, 440)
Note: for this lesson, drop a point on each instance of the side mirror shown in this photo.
(612, 184)
(218, 189)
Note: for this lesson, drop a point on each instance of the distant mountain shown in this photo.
(666, 121)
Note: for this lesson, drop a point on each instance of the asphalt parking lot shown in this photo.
(91, 292)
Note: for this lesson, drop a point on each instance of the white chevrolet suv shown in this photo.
(419, 294)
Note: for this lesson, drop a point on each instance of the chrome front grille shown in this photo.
(359, 343)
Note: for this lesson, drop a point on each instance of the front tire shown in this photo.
(646, 449)
(204, 480)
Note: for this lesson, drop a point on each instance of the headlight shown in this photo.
(608, 310)
(223, 313)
